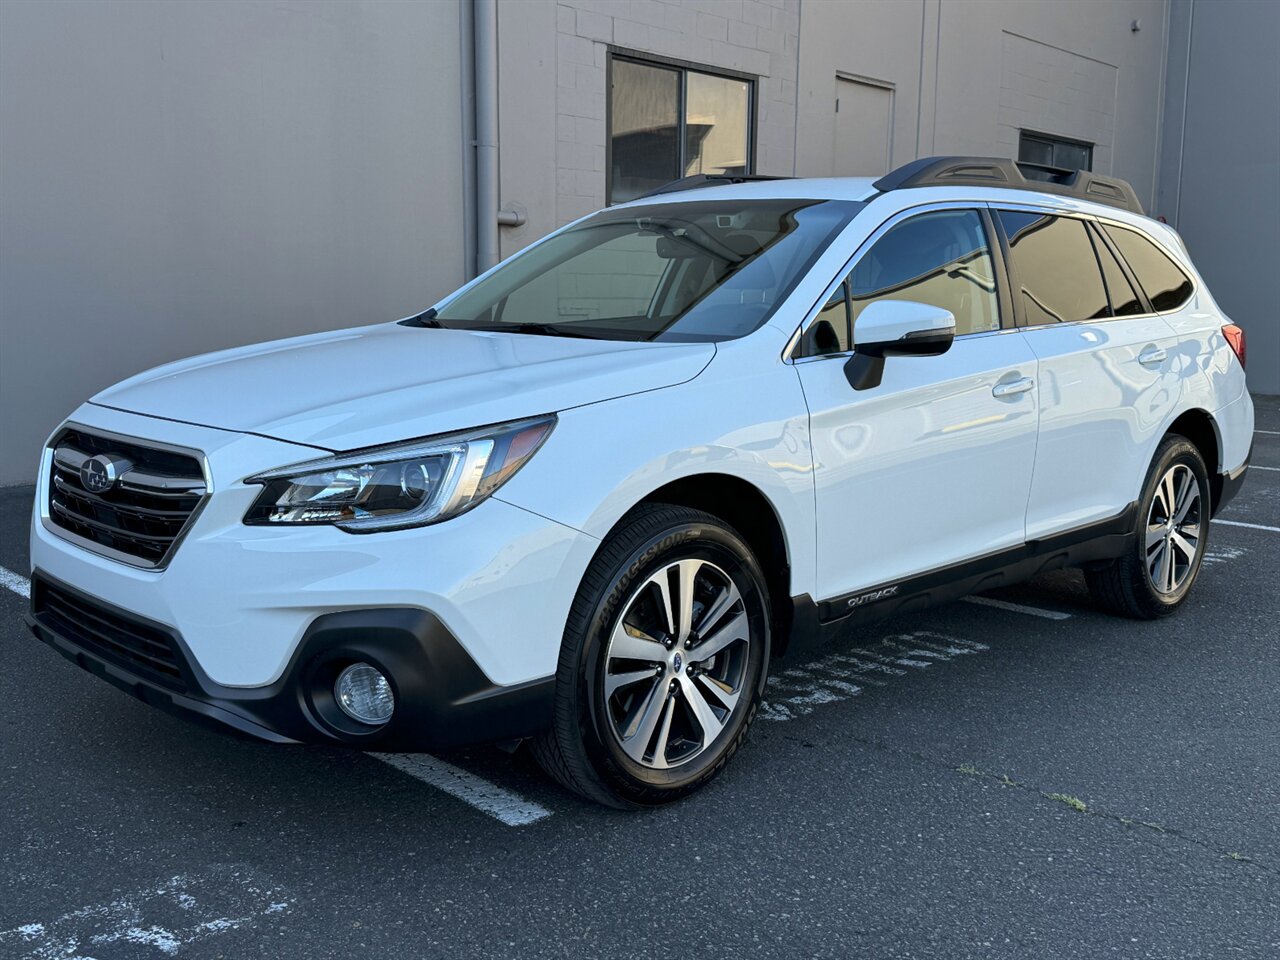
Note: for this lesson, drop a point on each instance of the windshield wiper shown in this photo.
(427, 318)
(537, 329)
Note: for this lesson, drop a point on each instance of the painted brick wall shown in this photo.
(759, 37)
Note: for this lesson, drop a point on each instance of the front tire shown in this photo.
(1155, 575)
(663, 660)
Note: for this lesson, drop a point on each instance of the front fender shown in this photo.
(604, 458)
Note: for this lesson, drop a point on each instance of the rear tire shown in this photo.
(663, 661)
(1155, 575)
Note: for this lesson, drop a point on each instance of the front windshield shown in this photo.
(695, 271)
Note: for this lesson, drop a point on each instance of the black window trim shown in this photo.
(682, 67)
(791, 354)
(1094, 220)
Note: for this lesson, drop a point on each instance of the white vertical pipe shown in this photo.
(486, 89)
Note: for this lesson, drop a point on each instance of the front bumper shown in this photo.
(442, 697)
(471, 611)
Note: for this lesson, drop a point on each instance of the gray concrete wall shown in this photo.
(181, 177)
(554, 92)
(966, 75)
(1220, 183)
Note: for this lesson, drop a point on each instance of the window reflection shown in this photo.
(1055, 268)
(940, 258)
(715, 125)
(645, 114)
(667, 122)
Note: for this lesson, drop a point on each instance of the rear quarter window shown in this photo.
(1167, 287)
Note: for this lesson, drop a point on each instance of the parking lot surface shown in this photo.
(1019, 777)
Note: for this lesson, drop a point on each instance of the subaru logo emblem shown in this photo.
(99, 474)
(677, 663)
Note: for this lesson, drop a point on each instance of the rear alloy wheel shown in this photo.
(663, 660)
(1154, 577)
(1173, 530)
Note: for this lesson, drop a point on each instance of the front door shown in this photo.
(933, 466)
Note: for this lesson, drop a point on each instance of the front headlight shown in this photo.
(407, 485)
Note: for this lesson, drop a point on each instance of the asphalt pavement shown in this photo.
(1026, 778)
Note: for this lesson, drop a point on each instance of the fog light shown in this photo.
(364, 694)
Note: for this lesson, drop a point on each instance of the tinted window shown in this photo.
(690, 271)
(1124, 299)
(1166, 286)
(829, 332)
(668, 122)
(940, 258)
(1055, 269)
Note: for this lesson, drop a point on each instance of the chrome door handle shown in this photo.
(1011, 387)
(1152, 356)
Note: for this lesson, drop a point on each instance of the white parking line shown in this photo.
(1269, 469)
(797, 691)
(1251, 526)
(510, 808)
(1018, 608)
(19, 585)
(1270, 433)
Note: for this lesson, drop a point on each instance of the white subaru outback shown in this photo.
(587, 498)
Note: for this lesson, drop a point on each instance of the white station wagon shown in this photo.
(586, 499)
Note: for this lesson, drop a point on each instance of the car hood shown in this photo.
(385, 383)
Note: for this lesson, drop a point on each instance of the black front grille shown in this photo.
(143, 512)
(143, 649)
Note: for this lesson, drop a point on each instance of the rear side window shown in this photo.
(1124, 299)
(1054, 268)
(1166, 286)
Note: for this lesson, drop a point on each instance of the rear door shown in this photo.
(933, 466)
(1106, 384)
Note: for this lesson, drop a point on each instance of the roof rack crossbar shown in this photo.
(1011, 175)
(706, 180)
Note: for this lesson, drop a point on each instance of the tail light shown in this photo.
(1235, 337)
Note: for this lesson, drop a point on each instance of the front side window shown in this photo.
(669, 122)
(1166, 286)
(694, 271)
(941, 258)
(1054, 268)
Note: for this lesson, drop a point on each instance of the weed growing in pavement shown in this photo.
(1075, 803)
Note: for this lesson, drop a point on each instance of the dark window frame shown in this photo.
(1053, 140)
(683, 68)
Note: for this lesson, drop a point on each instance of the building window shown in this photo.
(669, 121)
(1050, 151)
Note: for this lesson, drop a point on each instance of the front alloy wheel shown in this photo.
(676, 664)
(663, 660)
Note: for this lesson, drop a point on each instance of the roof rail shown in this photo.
(1011, 175)
(706, 180)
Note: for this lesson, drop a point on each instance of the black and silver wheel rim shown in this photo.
(677, 664)
(1173, 530)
